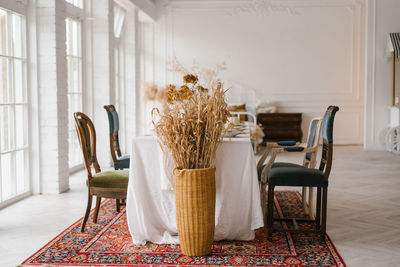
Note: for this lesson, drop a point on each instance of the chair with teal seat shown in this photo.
(309, 177)
(309, 150)
(106, 184)
(120, 162)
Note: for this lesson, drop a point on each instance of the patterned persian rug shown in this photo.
(108, 243)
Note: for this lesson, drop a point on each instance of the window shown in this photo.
(146, 26)
(119, 68)
(75, 97)
(14, 149)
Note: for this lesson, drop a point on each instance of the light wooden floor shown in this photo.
(363, 211)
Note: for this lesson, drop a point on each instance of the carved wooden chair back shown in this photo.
(87, 138)
(327, 137)
(113, 122)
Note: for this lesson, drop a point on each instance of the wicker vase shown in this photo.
(195, 209)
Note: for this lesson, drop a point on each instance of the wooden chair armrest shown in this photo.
(269, 164)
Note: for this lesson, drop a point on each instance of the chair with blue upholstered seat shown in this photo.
(106, 184)
(120, 162)
(301, 176)
(309, 150)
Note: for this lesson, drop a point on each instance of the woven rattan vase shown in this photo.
(195, 209)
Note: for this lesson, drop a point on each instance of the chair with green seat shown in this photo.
(309, 150)
(120, 162)
(309, 177)
(107, 184)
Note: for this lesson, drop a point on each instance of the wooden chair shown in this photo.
(120, 162)
(309, 150)
(309, 177)
(108, 184)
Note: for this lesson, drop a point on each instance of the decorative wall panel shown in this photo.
(303, 54)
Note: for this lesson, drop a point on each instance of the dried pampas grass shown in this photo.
(208, 76)
(191, 122)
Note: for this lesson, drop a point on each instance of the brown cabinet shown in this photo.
(281, 126)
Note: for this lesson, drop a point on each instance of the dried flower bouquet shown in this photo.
(191, 122)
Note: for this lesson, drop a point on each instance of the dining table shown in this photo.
(151, 211)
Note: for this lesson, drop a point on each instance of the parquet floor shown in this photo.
(363, 211)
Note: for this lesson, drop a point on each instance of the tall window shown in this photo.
(14, 180)
(119, 67)
(75, 97)
(146, 30)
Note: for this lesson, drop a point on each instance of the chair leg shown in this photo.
(118, 204)
(324, 209)
(304, 198)
(311, 202)
(270, 218)
(96, 211)
(263, 199)
(318, 211)
(89, 206)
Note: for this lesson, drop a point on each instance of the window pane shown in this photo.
(74, 61)
(73, 37)
(75, 153)
(76, 75)
(7, 128)
(21, 164)
(7, 165)
(14, 114)
(20, 81)
(18, 29)
(68, 36)
(5, 82)
(75, 103)
(3, 32)
(20, 126)
(119, 16)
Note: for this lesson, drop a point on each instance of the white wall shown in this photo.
(383, 18)
(305, 55)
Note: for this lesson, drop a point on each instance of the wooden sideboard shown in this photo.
(281, 126)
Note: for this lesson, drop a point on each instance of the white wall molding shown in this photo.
(257, 26)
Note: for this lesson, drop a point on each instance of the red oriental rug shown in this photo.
(108, 243)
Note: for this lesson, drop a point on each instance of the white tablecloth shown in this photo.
(150, 206)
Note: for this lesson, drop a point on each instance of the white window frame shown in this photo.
(120, 78)
(20, 8)
(146, 58)
(76, 13)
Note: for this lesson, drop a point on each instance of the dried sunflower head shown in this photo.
(190, 78)
(171, 94)
(201, 89)
(185, 92)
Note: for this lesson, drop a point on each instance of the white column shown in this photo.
(53, 102)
